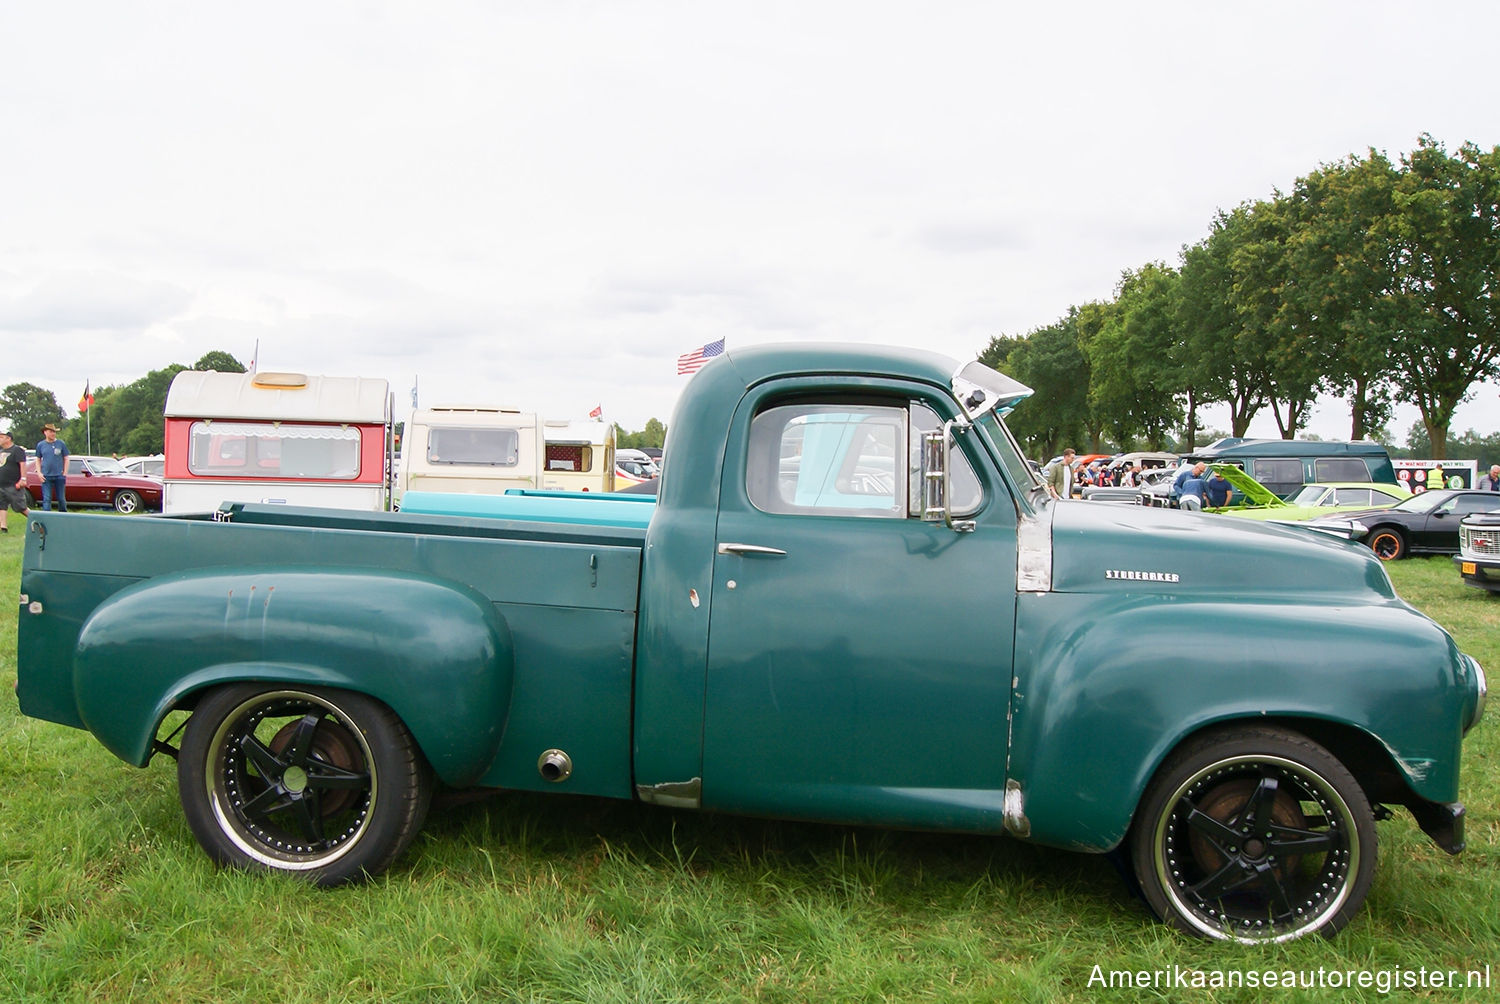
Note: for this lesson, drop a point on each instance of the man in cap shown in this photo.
(52, 465)
(13, 494)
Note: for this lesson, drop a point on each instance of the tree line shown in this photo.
(123, 420)
(1371, 280)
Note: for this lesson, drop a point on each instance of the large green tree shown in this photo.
(1050, 361)
(1132, 346)
(25, 408)
(1221, 361)
(1340, 260)
(1276, 327)
(1444, 238)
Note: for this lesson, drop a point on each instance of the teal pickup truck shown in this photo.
(852, 602)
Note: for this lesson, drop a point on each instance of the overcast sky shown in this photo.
(544, 203)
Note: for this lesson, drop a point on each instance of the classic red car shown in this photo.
(101, 481)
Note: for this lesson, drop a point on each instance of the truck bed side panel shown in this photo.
(568, 596)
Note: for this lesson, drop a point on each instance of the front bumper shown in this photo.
(1443, 822)
(1482, 573)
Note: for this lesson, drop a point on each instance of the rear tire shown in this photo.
(1254, 834)
(327, 785)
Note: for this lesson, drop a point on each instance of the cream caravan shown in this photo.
(276, 437)
(486, 451)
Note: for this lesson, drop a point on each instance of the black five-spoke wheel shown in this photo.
(325, 784)
(1255, 834)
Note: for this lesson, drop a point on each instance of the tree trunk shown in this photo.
(1437, 435)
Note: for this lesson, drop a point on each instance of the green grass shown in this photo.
(104, 896)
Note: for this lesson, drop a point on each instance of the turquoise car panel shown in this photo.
(545, 582)
(1116, 682)
(447, 666)
(876, 714)
(588, 508)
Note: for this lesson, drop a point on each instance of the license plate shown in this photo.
(1467, 567)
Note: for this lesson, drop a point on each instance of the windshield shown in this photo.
(1311, 495)
(106, 465)
(1425, 502)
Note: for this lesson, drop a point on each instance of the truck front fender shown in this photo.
(1106, 687)
(435, 651)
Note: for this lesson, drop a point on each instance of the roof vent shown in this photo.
(279, 381)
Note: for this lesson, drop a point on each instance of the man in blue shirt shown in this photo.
(52, 465)
(1217, 490)
(1188, 486)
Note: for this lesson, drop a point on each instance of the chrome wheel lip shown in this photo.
(233, 823)
(1219, 929)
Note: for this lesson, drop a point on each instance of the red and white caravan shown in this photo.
(277, 437)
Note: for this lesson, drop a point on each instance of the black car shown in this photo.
(1423, 524)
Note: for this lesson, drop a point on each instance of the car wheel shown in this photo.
(1388, 544)
(324, 784)
(1254, 834)
(127, 501)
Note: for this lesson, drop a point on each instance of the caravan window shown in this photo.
(474, 447)
(569, 457)
(274, 450)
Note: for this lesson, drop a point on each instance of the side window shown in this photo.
(1353, 496)
(1341, 469)
(829, 459)
(568, 457)
(473, 446)
(1280, 472)
(1473, 503)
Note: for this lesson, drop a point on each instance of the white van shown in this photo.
(276, 437)
(482, 450)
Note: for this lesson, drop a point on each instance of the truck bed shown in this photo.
(567, 592)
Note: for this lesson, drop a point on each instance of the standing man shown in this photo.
(1188, 486)
(13, 493)
(1490, 483)
(52, 465)
(1060, 478)
(1217, 491)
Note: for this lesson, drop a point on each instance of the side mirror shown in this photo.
(937, 489)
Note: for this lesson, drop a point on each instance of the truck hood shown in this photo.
(1137, 549)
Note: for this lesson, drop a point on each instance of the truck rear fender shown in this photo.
(1114, 685)
(435, 651)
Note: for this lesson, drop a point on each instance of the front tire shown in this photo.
(324, 784)
(1254, 835)
(127, 501)
(1388, 544)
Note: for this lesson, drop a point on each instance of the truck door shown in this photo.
(859, 659)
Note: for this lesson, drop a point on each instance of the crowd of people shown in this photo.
(1193, 487)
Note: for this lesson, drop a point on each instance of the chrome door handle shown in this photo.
(750, 549)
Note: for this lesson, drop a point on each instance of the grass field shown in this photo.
(104, 896)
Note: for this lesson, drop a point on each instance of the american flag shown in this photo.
(693, 361)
